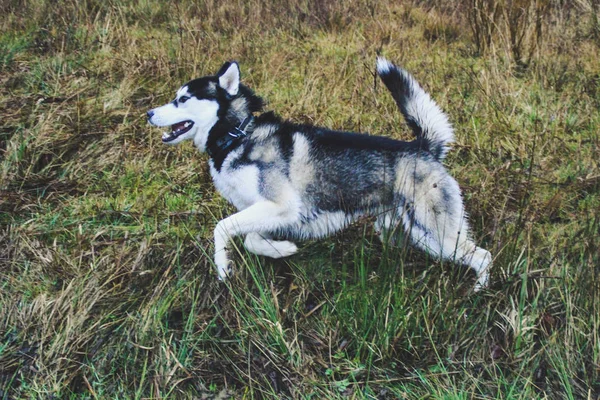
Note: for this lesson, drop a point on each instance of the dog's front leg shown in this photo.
(266, 216)
(263, 245)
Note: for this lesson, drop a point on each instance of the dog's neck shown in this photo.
(225, 136)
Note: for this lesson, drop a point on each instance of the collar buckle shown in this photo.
(225, 142)
(239, 131)
(236, 132)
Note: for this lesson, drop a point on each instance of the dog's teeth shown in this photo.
(186, 124)
(165, 135)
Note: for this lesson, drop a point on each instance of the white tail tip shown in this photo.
(383, 65)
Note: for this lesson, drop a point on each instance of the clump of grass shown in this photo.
(441, 26)
(107, 288)
(517, 26)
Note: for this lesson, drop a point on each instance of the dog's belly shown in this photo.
(318, 224)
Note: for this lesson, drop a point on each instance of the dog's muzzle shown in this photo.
(177, 130)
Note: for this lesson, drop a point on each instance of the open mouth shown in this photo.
(177, 130)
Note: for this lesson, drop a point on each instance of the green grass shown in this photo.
(107, 287)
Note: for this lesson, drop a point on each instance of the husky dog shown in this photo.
(301, 181)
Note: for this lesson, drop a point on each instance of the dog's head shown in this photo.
(202, 102)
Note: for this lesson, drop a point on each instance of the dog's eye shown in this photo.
(183, 99)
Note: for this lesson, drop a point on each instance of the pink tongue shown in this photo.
(177, 126)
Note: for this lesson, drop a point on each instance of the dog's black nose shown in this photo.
(150, 114)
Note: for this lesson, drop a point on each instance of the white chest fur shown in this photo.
(238, 185)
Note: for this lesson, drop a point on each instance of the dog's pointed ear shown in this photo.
(229, 77)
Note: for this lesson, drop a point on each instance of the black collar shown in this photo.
(226, 138)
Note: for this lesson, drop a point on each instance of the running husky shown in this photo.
(302, 181)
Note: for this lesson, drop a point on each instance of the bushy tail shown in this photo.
(422, 114)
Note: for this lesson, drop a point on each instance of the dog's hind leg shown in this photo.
(443, 231)
(453, 244)
(265, 216)
(460, 248)
(430, 206)
(263, 245)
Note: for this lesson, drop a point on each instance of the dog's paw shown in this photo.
(482, 282)
(284, 248)
(263, 246)
(224, 265)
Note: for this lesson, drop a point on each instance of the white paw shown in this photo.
(224, 265)
(285, 249)
(264, 246)
(482, 282)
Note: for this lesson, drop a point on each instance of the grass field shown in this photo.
(107, 288)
